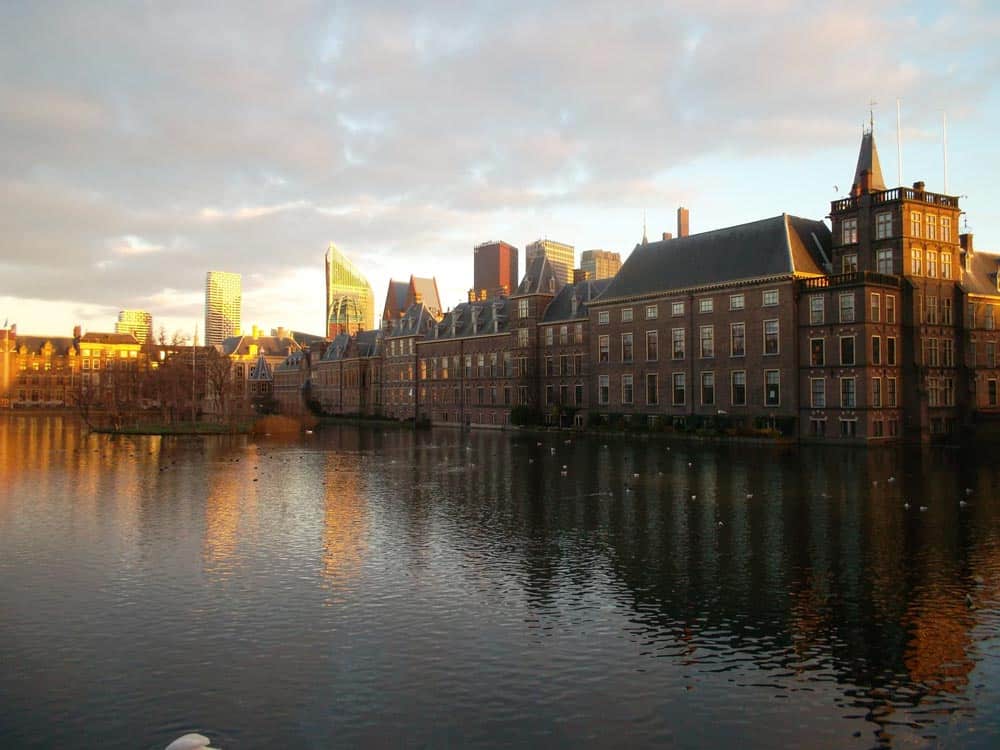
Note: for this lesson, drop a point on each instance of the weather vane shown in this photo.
(871, 115)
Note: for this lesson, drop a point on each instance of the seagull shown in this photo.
(191, 742)
(694, 497)
(923, 508)
(962, 503)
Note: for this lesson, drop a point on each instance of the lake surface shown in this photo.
(367, 588)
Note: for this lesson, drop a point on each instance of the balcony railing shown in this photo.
(895, 194)
(851, 279)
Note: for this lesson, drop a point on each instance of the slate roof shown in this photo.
(540, 277)
(562, 308)
(776, 247)
(61, 345)
(868, 159)
(981, 277)
(395, 298)
(337, 348)
(293, 361)
(272, 346)
(475, 319)
(417, 320)
(428, 291)
(108, 338)
(368, 343)
(260, 370)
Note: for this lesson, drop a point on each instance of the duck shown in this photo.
(193, 741)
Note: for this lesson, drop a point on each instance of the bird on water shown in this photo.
(192, 741)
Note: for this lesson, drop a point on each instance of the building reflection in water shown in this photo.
(345, 525)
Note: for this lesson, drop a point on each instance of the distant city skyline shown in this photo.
(138, 150)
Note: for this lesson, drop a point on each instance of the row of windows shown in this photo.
(550, 334)
(769, 298)
(931, 269)
(920, 226)
(847, 312)
(706, 340)
(990, 350)
(679, 386)
(849, 393)
(848, 356)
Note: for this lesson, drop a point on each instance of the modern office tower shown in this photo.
(600, 264)
(560, 255)
(494, 269)
(223, 306)
(137, 322)
(350, 302)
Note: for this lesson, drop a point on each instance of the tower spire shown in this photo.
(868, 173)
(644, 240)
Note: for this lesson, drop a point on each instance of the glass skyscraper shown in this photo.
(350, 302)
(223, 306)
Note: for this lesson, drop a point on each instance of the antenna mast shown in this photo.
(899, 146)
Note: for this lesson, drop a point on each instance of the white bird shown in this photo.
(968, 490)
(553, 451)
(690, 464)
(962, 503)
(892, 479)
(749, 496)
(636, 476)
(906, 506)
(923, 508)
(191, 742)
(694, 497)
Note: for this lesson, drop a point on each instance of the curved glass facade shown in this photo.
(350, 302)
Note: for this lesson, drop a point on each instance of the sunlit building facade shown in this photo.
(223, 306)
(350, 302)
(600, 264)
(560, 255)
(137, 322)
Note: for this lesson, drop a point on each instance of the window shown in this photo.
(915, 224)
(915, 261)
(738, 379)
(890, 392)
(876, 350)
(849, 263)
(708, 388)
(850, 232)
(627, 347)
(931, 355)
(652, 311)
(883, 225)
(848, 427)
(945, 265)
(876, 307)
(603, 318)
(737, 301)
(932, 259)
(652, 346)
(947, 352)
(772, 388)
(946, 311)
(972, 315)
(890, 309)
(676, 308)
(626, 315)
(737, 339)
(991, 392)
(991, 354)
(679, 388)
(603, 389)
(817, 352)
(847, 350)
(933, 392)
(549, 336)
(563, 335)
(522, 308)
(988, 322)
(677, 338)
(883, 261)
(707, 338)
(876, 393)
(652, 389)
(522, 337)
(945, 229)
(705, 305)
(931, 315)
(931, 224)
(816, 310)
(817, 392)
(890, 351)
(847, 307)
(550, 367)
(578, 333)
(578, 394)
(770, 298)
(848, 396)
(627, 389)
(770, 337)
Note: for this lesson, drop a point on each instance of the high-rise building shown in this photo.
(223, 306)
(560, 255)
(350, 302)
(494, 268)
(137, 322)
(600, 264)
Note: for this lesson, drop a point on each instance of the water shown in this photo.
(364, 588)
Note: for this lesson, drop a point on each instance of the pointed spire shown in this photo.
(868, 166)
(644, 240)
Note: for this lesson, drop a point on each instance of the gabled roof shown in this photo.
(981, 278)
(563, 308)
(781, 246)
(337, 348)
(272, 346)
(61, 345)
(475, 319)
(260, 370)
(108, 338)
(395, 299)
(368, 343)
(540, 277)
(428, 291)
(416, 321)
(293, 361)
(868, 160)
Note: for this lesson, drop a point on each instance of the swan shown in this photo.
(191, 742)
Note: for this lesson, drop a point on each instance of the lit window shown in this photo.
(849, 263)
(676, 308)
(850, 231)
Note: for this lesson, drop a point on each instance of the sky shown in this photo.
(143, 144)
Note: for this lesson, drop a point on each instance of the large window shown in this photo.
(890, 309)
(652, 389)
(627, 347)
(738, 339)
(676, 308)
(679, 388)
(876, 307)
(931, 225)
(708, 388)
(627, 389)
(770, 337)
(890, 351)
(890, 392)
(849, 263)
(651, 312)
(932, 259)
(848, 395)
(603, 348)
(603, 389)
(915, 257)
(816, 310)
(847, 350)
(549, 336)
(677, 343)
(883, 225)
(772, 388)
(817, 352)
(707, 341)
(847, 307)
(817, 392)
(876, 398)
(883, 261)
(522, 308)
(915, 223)
(769, 298)
(945, 265)
(945, 229)
(739, 387)
(876, 350)
(737, 302)
(652, 346)
(705, 305)
(626, 315)
(850, 232)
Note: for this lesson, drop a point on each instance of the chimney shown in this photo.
(667, 236)
(682, 221)
(918, 186)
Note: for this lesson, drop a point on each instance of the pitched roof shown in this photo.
(272, 346)
(780, 246)
(428, 291)
(868, 160)
(108, 338)
(416, 320)
(395, 299)
(540, 277)
(260, 370)
(61, 345)
(563, 308)
(337, 348)
(475, 319)
(981, 278)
